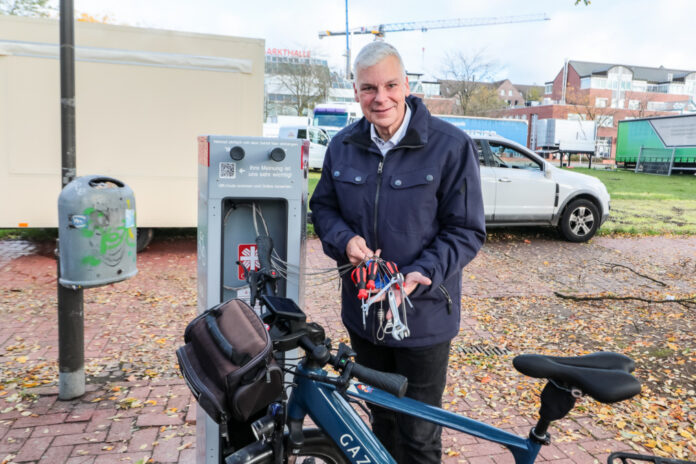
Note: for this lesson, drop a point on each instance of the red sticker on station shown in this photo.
(248, 256)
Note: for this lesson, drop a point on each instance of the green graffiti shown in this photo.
(110, 238)
(91, 261)
(113, 238)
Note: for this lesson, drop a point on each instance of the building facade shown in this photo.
(295, 81)
(609, 93)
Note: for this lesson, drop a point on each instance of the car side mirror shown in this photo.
(547, 169)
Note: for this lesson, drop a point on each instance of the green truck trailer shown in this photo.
(657, 143)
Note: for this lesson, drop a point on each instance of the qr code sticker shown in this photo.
(228, 170)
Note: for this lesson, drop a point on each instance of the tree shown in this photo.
(25, 7)
(484, 101)
(465, 77)
(306, 82)
(534, 94)
(603, 116)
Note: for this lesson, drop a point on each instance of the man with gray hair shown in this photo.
(405, 186)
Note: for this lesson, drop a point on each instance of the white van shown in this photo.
(318, 141)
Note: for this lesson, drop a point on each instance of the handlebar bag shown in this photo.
(228, 362)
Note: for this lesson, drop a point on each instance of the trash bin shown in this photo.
(97, 232)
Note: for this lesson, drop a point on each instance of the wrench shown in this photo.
(399, 329)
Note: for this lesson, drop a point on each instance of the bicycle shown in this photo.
(343, 437)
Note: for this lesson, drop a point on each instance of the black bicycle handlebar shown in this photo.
(396, 384)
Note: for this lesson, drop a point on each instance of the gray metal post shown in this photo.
(640, 152)
(347, 45)
(71, 356)
(671, 162)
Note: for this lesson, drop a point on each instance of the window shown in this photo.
(603, 147)
(548, 88)
(302, 134)
(576, 117)
(585, 83)
(600, 102)
(599, 83)
(634, 104)
(482, 158)
(675, 88)
(509, 93)
(617, 102)
(502, 92)
(656, 106)
(314, 135)
(639, 86)
(507, 157)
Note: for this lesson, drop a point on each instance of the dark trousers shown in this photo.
(408, 439)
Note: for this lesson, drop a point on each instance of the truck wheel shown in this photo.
(580, 221)
(145, 235)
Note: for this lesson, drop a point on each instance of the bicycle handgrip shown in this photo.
(264, 247)
(395, 384)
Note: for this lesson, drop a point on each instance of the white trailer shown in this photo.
(567, 136)
(142, 98)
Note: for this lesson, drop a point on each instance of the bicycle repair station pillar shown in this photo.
(247, 186)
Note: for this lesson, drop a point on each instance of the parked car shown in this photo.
(318, 141)
(522, 189)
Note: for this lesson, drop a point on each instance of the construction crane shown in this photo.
(381, 29)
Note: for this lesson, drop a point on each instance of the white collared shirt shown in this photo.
(383, 146)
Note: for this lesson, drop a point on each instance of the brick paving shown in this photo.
(135, 409)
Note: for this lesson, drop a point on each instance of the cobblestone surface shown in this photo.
(129, 414)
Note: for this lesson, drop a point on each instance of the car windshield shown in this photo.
(330, 119)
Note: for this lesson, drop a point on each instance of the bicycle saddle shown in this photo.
(605, 376)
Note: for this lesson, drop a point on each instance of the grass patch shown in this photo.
(648, 186)
(37, 235)
(645, 204)
(312, 181)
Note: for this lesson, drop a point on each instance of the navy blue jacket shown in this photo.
(421, 205)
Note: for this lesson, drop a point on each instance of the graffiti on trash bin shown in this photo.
(109, 243)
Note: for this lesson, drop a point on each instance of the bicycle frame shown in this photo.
(329, 409)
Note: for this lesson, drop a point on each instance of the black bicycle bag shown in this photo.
(228, 362)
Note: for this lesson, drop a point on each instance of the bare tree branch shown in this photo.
(681, 301)
(613, 265)
(466, 81)
(307, 83)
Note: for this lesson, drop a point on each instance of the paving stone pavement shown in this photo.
(135, 409)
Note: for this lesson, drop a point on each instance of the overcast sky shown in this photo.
(637, 32)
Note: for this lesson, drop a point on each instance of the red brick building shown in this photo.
(607, 94)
